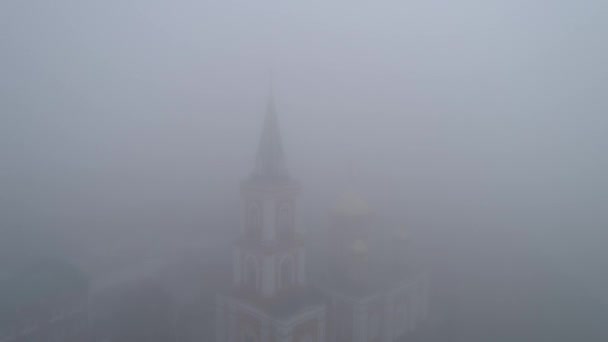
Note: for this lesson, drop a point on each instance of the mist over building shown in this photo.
(422, 171)
(358, 277)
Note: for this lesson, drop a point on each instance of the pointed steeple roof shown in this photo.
(270, 159)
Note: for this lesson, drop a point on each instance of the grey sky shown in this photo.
(463, 107)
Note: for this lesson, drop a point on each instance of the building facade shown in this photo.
(365, 292)
(270, 299)
(45, 301)
(374, 289)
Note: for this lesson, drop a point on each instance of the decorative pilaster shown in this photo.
(265, 332)
(301, 266)
(220, 323)
(425, 296)
(389, 318)
(333, 316)
(268, 276)
(269, 231)
(360, 323)
(321, 323)
(236, 268)
(231, 325)
(410, 312)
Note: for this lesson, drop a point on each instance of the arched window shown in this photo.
(285, 220)
(287, 272)
(254, 219)
(251, 272)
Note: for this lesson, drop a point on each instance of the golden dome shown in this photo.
(359, 247)
(403, 233)
(352, 204)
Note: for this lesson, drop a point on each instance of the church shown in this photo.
(368, 287)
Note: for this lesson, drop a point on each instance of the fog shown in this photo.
(479, 125)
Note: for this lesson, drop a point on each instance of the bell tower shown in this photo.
(269, 300)
(269, 258)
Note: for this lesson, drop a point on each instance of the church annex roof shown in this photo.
(352, 204)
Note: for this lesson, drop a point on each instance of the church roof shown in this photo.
(283, 306)
(381, 277)
(44, 281)
(270, 159)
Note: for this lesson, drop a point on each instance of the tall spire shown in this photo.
(270, 160)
